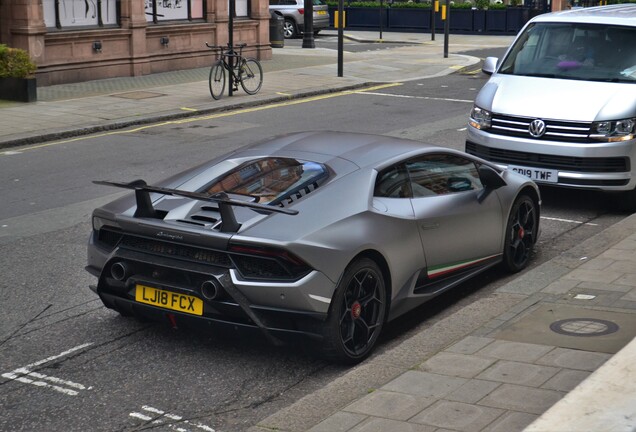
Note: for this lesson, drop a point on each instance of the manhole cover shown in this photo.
(584, 327)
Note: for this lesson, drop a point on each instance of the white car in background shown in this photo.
(294, 13)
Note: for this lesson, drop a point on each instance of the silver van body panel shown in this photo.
(568, 105)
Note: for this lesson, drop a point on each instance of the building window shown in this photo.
(80, 13)
(241, 8)
(170, 10)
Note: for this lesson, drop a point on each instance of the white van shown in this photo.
(561, 105)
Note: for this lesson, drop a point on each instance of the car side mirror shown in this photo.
(490, 65)
(491, 181)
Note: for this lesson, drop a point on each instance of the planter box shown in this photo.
(461, 20)
(409, 18)
(18, 89)
(515, 19)
(479, 21)
(366, 17)
(496, 21)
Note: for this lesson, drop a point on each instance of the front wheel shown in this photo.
(521, 233)
(251, 75)
(217, 80)
(358, 310)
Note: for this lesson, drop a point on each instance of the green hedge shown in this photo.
(412, 5)
(15, 63)
(406, 4)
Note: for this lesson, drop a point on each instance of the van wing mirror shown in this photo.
(490, 65)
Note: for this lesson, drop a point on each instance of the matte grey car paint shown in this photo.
(337, 221)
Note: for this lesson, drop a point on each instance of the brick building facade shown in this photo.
(80, 40)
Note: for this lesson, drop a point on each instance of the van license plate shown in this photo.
(537, 174)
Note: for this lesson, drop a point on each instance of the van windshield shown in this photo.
(574, 51)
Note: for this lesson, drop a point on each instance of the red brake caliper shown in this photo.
(521, 232)
(356, 310)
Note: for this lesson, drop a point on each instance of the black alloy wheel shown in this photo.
(357, 313)
(521, 233)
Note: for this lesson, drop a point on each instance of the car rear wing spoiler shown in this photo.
(225, 203)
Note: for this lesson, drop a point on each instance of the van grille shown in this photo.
(565, 163)
(556, 130)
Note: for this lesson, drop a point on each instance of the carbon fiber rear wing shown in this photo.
(226, 204)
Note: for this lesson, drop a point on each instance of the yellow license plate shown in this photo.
(169, 300)
(321, 12)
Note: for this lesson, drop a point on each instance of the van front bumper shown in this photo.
(595, 165)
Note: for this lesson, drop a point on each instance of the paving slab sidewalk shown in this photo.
(541, 349)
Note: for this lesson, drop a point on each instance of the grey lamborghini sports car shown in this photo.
(321, 234)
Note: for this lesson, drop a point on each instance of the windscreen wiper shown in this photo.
(538, 75)
(225, 203)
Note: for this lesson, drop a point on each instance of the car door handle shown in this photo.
(429, 226)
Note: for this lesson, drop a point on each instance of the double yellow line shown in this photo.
(204, 117)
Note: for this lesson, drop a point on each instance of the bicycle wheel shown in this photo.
(251, 75)
(217, 80)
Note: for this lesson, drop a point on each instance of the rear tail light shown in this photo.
(301, 11)
(265, 263)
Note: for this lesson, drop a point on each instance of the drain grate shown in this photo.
(585, 327)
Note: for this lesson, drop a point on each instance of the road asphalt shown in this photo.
(551, 350)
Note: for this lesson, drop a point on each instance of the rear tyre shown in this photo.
(289, 29)
(251, 76)
(521, 233)
(217, 80)
(357, 313)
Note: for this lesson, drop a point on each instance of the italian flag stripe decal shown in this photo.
(435, 272)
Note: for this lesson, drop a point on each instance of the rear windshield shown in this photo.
(574, 51)
(271, 180)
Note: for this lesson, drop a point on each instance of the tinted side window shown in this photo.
(442, 174)
(393, 182)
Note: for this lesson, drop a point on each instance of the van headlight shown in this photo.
(480, 118)
(614, 130)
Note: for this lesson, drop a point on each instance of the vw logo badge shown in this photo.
(537, 128)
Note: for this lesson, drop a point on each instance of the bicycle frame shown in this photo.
(241, 70)
(231, 61)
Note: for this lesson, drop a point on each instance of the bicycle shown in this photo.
(246, 71)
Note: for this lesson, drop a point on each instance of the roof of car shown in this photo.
(361, 149)
(619, 14)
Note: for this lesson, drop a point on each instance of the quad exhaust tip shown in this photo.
(119, 271)
(211, 289)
